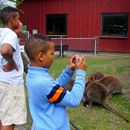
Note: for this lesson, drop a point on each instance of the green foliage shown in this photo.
(2, 3)
(18, 2)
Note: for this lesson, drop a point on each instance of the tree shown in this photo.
(18, 2)
(4, 2)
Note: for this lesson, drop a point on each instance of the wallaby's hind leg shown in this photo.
(90, 103)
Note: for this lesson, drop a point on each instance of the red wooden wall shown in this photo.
(83, 18)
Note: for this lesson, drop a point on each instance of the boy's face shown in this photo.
(49, 56)
(15, 21)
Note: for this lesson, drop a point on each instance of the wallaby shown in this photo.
(97, 93)
(112, 83)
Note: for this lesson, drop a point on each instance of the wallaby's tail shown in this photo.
(109, 107)
(73, 125)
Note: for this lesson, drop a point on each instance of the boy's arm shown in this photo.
(62, 97)
(65, 77)
(8, 46)
(67, 74)
(7, 53)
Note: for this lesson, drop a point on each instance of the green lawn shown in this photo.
(98, 118)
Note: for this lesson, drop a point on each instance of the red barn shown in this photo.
(107, 19)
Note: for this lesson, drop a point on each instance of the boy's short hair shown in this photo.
(37, 43)
(7, 13)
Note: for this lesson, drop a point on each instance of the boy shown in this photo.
(47, 97)
(12, 96)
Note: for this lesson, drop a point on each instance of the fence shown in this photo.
(76, 44)
(63, 43)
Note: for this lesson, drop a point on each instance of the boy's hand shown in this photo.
(71, 63)
(10, 66)
(81, 64)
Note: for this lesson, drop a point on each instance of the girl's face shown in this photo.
(49, 56)
(19, 30)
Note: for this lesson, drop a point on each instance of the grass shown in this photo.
(98, 118)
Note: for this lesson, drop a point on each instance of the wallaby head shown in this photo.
(96, 76)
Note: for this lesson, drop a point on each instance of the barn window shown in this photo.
(56, 24)
(115, 25)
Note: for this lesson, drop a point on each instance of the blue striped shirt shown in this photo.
(48, 99)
